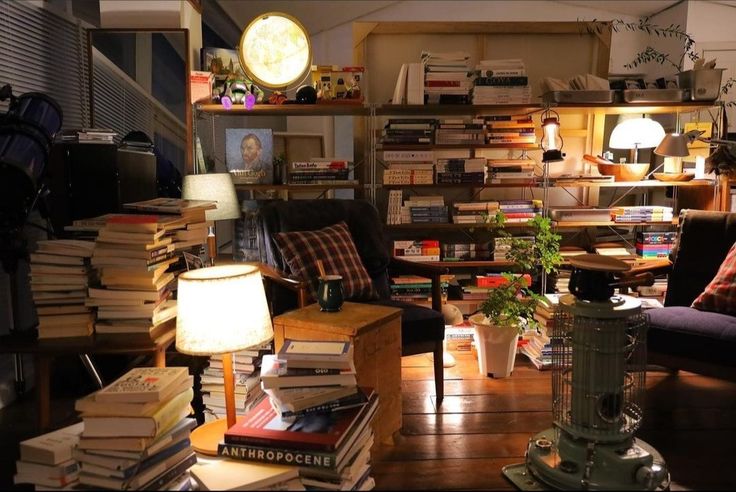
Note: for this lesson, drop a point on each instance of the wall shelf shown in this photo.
(458, 146)
(295, 187)
(287, 110)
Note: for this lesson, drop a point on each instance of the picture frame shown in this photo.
(291, 147)
(249, 154)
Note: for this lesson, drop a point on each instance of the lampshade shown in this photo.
(221, 309)
(673, 145)
(275, 50)
(642, 133)
(217, 187)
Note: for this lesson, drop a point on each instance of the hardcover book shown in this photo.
(51, 448)
(316, 353)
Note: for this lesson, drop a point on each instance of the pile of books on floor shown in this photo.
(474, 212)
(458, 131)
(459, 337)
(409, 131)
(316, 417)
(510, 129)
(86, 229)
(642, 213)
(655, 244)
(320, 171)
(46, 461)
(518, 211)
(511, 171)
(417, 250)
(466, 251)
(248, 392)
(448, 78)
(424, 209)
(502, 245)
(461, 170)
(136, 432)
(501, 82)
(538, 347)
(60, 273)
(413, 288)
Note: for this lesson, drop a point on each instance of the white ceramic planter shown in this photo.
(496, 347)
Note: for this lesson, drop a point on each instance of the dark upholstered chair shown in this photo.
(681, 337)
(422, 329)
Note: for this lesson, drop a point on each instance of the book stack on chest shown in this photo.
(46, 461)
(136, 432)
(248, 392)
(315, 417)
(60, 273)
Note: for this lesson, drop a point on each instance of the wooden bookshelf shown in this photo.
(459, 146)
(287, 110)
(296, 187)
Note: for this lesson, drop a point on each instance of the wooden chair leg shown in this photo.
(439, 373)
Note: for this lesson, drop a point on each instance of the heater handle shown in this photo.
(644, 278)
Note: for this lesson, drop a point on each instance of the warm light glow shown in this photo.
(216, 187)
(275, 50)
(641, 133)
(551, 134)
(699, 167)
(221, 309)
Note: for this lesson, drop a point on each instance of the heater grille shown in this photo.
(598, 373)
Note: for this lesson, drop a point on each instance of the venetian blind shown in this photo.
(45, 52)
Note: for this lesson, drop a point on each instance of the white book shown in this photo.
(52, 448)
(415, 84)
(399, 96)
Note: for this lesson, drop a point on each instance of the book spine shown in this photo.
(503, 80)
(277, 456)
(171, 473)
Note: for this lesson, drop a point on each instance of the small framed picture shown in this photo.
(249, 154)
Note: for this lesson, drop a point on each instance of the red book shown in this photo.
(321, 432)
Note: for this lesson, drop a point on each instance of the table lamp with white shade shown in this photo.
(635, 134)
(221, 310)
(216, 187)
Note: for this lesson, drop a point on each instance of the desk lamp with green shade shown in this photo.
(221, 310)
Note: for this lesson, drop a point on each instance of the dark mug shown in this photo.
(329, 293)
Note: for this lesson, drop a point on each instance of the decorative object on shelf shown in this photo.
(635, 134)
(275, 51)
(217, 187)
(502, 318)
(551, 140)
(249, 154)
(222, 310)
(306, 94)
(598, 379)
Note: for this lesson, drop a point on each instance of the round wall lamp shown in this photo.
(275, 50)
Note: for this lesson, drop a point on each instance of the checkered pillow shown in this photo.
(335, 247)
(720, 294)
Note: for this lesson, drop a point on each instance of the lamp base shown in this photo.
(206, 437)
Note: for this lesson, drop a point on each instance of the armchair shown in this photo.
(422, 329)
(681, 337)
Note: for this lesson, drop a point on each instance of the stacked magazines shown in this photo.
(315, 418)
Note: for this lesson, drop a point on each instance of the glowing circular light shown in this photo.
(275, 50)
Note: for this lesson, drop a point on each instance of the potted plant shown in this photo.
(504, 314)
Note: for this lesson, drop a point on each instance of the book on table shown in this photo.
(92, 407)
(135, 448)
(51, 448)
(296, 399)
(275, 373)
(239, 475)
(144, 384)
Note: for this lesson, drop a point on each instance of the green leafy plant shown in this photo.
(511, 302)
(543, 253)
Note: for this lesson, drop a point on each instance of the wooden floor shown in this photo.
(484, 424)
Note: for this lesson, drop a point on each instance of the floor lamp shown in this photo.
(216, 187)
(221, 310)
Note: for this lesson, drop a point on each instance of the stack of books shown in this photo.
(511, 171)
(458, 131)
(46, 461)
(60, 274)
(320, 171)
(461, 170)
(248, 392)
(448, 78)
(520, 210)
(86, 229)
(409, 131)
(324, 430)
(502, 245)
(417, 250)
(424, 209)
(222, 474)
(136, 431)
(501, 82)
(88, 135)
(466, 251)
(642, 213)
(404, 167)
(655, 244)
(474, 212)
(510, 129)
(393, 209)
(413, 288)
(538, 347)
(460, 337)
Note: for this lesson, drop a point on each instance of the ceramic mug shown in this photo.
(330, 294)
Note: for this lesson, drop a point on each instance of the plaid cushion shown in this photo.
(335, 247)
(720, 294)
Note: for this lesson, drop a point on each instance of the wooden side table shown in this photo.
(376, 335)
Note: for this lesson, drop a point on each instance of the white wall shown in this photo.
(709, 22)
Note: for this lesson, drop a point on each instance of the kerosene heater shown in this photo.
(598, 375)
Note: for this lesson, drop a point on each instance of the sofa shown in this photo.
(681, 337)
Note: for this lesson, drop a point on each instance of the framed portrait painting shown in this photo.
(249, 154)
